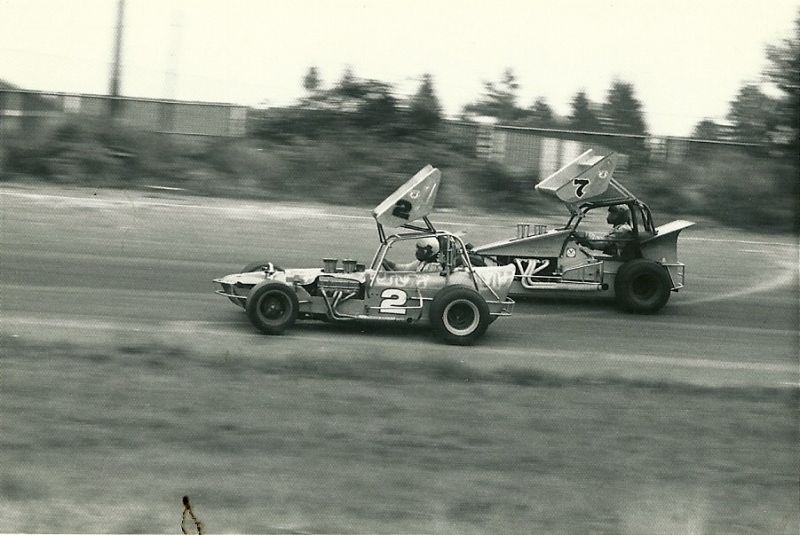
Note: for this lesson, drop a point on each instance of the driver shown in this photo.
(426, 254)
(620, 218)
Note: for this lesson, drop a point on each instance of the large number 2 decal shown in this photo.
(394, 301)
(402, 209)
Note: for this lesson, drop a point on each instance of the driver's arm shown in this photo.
(601, 242)
(589, 239)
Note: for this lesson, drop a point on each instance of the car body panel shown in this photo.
(663, 246)
(549, 244)
(390, 295)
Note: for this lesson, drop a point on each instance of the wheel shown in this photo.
(255, 266)
(272, 307)
(459, 315)
(642, 286)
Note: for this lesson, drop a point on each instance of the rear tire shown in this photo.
(642, 286)
(272, 307)
(459, 315)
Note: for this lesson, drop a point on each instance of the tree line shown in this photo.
(754, 117)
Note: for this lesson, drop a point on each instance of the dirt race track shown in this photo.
(126, 383)
(86, 264)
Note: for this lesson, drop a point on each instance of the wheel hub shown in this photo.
(272, 307)
(461, 317)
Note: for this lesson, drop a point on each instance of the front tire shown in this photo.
(272, 307)
(642, 286)
(459, 315)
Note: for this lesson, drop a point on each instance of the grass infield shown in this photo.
(108, 439)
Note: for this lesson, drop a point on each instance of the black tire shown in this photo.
(272, 307)
(459, 315)
(642, 286)
(255, 266)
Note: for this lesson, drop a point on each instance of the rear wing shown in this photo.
(587, 178)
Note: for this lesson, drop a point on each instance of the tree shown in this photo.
(540, 114)
(707, 129)
(365, 103)
(425, 111)
(311, 81)
(582, 117)
(783, 70)
(348, 86)
(498, 100)
(377, 106)
(753, 115)
(622, 114)
(622, 111)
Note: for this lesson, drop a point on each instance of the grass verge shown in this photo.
(108, 440)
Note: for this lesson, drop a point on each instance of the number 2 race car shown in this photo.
(443, 289)
(638, 262)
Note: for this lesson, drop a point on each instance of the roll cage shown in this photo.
(452, 248)
(641, 216)
(453, 252)
(642, 225)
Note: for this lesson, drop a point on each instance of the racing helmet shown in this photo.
(427, 249)
(618, 214)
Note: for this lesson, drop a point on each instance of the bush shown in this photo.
(320, 158)
(736, 189)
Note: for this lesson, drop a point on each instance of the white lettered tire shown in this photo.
(459, 315)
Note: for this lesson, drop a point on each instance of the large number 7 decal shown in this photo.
(581, 183)
(394, 301)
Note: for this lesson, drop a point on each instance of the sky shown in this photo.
(686, 59)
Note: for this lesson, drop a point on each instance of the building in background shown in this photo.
(525, 150)
(22, 110)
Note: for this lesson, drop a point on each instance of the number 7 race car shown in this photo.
(639, 265)
(457, 299)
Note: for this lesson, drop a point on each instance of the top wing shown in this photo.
(586, 178)
(411, 201)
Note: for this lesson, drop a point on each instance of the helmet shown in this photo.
(427, 248)
(618, 214)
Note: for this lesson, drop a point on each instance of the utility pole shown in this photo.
(113, 86)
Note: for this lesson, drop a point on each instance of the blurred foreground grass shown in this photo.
(108, 440)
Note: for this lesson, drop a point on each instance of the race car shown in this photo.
(457, 299)
(640, 268)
